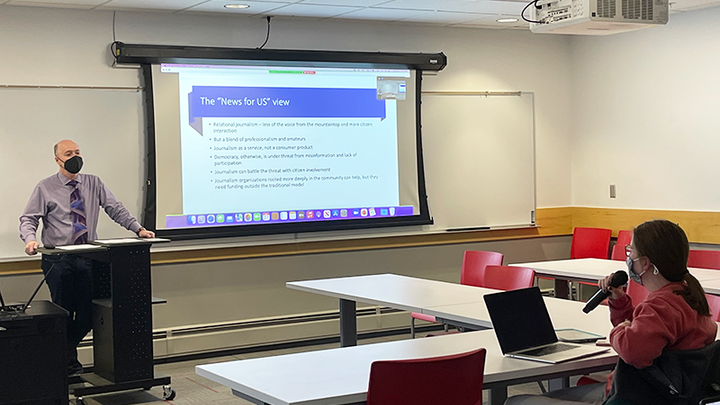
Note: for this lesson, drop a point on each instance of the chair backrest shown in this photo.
(637, 292)
(714, 304)
(618, 252)
(704, 259)
(508, 277)
(473, 266)
(455, 379)
(624, 237)
(590, 243)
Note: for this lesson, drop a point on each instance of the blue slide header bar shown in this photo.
(282, 102)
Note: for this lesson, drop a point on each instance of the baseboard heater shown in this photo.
(206, 338)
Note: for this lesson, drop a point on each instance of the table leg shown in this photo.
(558, 383)
(249, 398)
(561, 288)
(348, 323)
(497, 396)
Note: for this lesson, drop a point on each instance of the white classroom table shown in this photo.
(563, 313)
(711, 286)
(340, 376)
(591, 270)
(392, 290)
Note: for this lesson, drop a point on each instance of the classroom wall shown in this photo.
(70, 47)
(644, 118)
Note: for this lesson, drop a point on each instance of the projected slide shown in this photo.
(267, 144)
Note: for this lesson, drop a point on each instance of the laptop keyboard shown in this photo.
(560, 347)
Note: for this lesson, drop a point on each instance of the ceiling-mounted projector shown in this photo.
(596, 17)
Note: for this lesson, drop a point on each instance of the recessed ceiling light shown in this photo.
(237, 6)
(507, 20)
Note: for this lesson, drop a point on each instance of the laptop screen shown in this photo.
(520, 319)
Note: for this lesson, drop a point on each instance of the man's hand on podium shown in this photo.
(31, 247)
(144, 233)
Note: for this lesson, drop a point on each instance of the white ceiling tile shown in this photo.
(491, 22)
(427, 5)
(444, 17)
(256, 7)
(687, 5)
(461, 13)
(57, 3)
(352, 3)
(497, 7)
(384, 14)
(308, 10)
(433, 5)
(170, 5)
(485, 7)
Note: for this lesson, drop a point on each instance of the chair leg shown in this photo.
(412, 327)
(446, 327)
(542, 387)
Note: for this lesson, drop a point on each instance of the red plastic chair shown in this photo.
(455, 379)
(502, 278)
(471, 273)
(508, 277)
(590, 243)
(618, 251)
(473, 267)
(624, 237)
(704, 259)
(585, 380)
(714, 304)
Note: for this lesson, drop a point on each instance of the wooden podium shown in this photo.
(122, 316)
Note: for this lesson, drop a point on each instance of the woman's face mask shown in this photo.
(631, 273)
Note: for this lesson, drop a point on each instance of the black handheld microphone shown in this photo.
(618, 279)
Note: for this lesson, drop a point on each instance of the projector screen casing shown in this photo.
(146, 54)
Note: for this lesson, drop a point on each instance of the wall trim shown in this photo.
(700, 226)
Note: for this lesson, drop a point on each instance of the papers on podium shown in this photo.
(72, 248)
(127, 241)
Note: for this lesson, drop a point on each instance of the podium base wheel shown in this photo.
(168, 393)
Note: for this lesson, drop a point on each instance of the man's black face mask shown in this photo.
(73, 165)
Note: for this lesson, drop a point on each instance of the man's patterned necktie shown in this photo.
(77, 209)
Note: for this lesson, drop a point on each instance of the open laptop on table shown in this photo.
(524, 329)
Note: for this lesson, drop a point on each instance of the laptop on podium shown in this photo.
(524, 330)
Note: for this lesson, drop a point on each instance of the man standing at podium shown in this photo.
(68, 203)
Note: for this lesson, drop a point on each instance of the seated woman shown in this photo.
(674, 316)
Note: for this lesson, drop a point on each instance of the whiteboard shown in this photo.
(479, 159)
(478, 154)
(108, 125)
